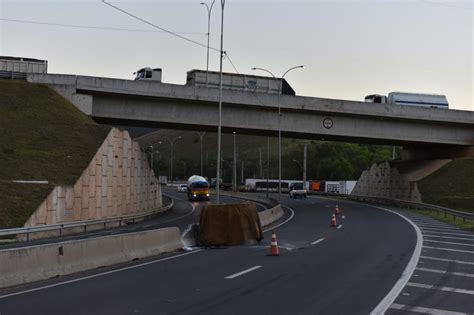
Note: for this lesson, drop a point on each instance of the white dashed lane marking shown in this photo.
(424, 310)
(446, 272)
(433, 287)
(318, 241)
(463, 262)
(449, 249)
(238, 274)
(451, 243)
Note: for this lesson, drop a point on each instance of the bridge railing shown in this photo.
(76, 227)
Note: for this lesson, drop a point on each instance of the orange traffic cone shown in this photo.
(333, 221)
(274, 246)
(337, 211)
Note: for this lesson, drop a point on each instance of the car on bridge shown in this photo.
(182, 188)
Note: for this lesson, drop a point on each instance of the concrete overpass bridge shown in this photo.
(423, 132)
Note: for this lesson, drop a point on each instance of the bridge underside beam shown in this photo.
(260, 120)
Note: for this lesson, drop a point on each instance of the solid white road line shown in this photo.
(235, 275)
(318, 241)
(99, 274)
(383, 305)
(452, 243)
(471, 275)
(447, 260)
(287, 220)
(450, 249)
(450, 237)
(424, 310)
(433, 287)
(447, 233)
(339, 226)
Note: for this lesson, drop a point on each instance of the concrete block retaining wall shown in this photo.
(117, 182)
(34, 263)
(384, 181)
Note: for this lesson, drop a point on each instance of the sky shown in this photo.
(350, 48)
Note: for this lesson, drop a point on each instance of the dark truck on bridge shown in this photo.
(240, 82)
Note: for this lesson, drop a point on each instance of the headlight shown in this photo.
(194, 195)
(207, 195)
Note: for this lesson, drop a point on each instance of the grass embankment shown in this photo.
(42, 137)
(451, 186)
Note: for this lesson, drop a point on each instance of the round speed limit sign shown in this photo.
(328, 123)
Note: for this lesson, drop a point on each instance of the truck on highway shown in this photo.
(410, 99)
(148, 74)
(238, 82)
(198, 188)
(19, 67)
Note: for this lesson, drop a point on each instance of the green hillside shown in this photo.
(42, 137)
(451, 186)
(326, 160)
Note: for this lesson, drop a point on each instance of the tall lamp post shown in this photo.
(279, 120)
(201, 137)
(304, 164)
(152, 146)
(209, 9)
(234, 169)
(219, 125)
(171, 141)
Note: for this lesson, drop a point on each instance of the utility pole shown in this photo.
(304, 164)
(242, 170)
(234, 173)
(260, 162)
(219, 125)
(268, 162)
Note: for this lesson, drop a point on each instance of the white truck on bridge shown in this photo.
(411, 99)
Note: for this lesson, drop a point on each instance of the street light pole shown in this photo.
(234, 173)
(268, 162)
(171, 141)
(279, 121)
(305, 154)
(201, 137)
(152, 146)
(219, 127)
(209, 9)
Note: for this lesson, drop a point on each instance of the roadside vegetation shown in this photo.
(43, 137)
(325, 160)
(451, 186)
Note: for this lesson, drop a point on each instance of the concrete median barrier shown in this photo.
(271, 215)
(34, 263)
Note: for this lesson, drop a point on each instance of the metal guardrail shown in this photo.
(132, 218)
(252, 197)
(417, 205)
(396, 202)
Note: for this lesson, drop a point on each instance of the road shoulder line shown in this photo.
(384, 305)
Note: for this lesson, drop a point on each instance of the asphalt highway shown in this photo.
(320, 270)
